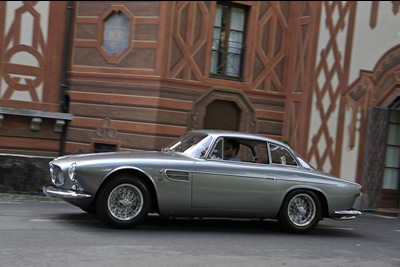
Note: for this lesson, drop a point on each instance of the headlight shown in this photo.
(72, 172)
(56, 174)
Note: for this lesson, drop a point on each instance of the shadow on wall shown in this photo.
(24, 174)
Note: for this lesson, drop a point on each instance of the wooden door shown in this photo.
(222, 115)
(390, 195)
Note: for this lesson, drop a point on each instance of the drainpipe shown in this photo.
(64, 99)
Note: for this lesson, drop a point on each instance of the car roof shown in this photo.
(240, 135)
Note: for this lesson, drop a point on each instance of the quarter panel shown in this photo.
(340, 194)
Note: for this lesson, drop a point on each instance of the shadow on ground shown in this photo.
(155, 223)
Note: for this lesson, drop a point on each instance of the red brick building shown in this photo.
(85, 76)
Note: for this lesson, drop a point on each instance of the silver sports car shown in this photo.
(204, 174)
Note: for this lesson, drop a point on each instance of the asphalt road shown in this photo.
(39, 232)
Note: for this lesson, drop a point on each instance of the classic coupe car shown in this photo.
(205, 173)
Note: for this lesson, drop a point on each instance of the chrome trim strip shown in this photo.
(346, 214)
(303, 182)
(235, 175)
(57, 192)
(245, 176)
(177, 180)
(174, 180)
(284, 165)
(262, 177)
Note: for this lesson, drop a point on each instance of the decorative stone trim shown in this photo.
(35, 124)
(58, 126)
(37, 116)
(248, 115)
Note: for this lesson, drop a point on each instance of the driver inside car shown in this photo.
(231, 148)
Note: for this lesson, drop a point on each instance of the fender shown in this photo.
(124, 168)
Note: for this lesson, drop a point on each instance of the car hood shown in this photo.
(123, 156)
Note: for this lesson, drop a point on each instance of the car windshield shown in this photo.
(192, 144)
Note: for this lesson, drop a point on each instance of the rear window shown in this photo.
(280, 155)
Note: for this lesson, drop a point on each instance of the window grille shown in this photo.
(228, 45)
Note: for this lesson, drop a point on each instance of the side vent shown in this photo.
(180, 176)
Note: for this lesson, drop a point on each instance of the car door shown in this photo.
(232, 186)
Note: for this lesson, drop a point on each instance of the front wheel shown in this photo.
(300, 211)
(124, 202)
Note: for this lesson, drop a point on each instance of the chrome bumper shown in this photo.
(63, 193)
(346, 214)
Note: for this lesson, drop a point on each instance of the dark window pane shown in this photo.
(228, 41)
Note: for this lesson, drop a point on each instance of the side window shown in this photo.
(245, 154)
(280, 155)
(233, 150)
(261, 153)
(217, 152)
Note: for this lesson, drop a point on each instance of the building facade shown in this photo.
(84, 76)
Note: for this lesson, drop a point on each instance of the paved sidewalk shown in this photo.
(28, 198)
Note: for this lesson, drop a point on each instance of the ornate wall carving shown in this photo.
(373, 88)
(331, 81)
(189, 40)
(375, 9)
(303, 28)
(23, 59)
(31, 42)
(270, 54)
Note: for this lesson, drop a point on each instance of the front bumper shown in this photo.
(346, 214)
(63, 193)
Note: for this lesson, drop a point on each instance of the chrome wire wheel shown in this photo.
(125, 202)
(301, 210)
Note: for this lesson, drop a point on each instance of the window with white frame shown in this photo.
(228, 46)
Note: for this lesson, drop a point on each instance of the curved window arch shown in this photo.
(218, 102)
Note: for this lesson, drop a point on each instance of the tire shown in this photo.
(124, 202)
(300, 211)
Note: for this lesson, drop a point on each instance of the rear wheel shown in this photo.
(124, 202)
(300, 211)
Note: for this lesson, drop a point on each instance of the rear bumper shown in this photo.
(63, 193)
(346, 214)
